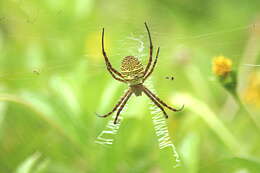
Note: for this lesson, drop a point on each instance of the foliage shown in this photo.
(53, 79)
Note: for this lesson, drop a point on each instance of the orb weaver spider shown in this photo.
(134, 74)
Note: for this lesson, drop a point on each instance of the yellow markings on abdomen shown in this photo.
(131, 66)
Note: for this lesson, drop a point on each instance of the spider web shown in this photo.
(127, 46)
(161, 129)
(134, 43)
(106, 137)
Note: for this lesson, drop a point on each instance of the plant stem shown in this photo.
(244, 110)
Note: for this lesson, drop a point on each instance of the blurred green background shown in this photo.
(53, 79)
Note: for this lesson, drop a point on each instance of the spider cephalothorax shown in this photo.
(134, 74)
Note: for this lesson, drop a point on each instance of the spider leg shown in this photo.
(114, 76)
(117, 105)
(154, 63)
(160, 101)
(151, 50)
(155, 102)
(122, 106)
(108, 64)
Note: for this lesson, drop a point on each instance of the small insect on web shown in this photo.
(134, 74)
(169, 77)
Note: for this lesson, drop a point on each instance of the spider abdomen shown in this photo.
(132, 69)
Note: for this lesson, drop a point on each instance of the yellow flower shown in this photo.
(221, 66)
(252, 92)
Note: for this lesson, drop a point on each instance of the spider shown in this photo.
(134, 74)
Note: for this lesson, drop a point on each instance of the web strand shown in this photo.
(162, 132)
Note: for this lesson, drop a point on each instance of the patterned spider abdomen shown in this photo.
(132, 69)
